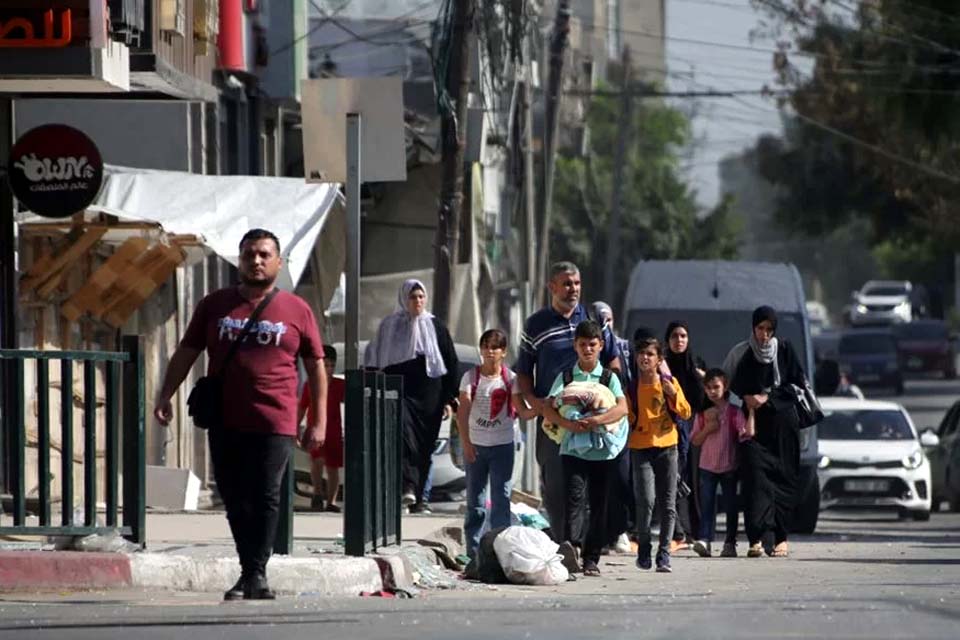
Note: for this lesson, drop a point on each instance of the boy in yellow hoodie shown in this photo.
(655, 402)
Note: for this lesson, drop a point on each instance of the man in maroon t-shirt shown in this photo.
(252, 447)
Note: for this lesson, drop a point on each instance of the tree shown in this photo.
(873, 127)
(660, 217)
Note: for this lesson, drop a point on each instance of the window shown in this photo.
(865, 425)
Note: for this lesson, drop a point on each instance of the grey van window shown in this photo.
(714, 333)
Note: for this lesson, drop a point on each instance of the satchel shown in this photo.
(205, 402)
(809, 411)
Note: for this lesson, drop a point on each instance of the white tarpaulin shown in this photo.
(220, 209)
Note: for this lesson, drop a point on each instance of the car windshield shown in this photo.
(923, 331)
(885, 291)
(864, 424)
(867, 343)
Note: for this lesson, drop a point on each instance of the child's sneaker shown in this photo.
(643, 557)
(702, 549)
(729, 550)
(623, 544)
(663, 561)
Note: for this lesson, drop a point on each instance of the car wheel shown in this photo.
(920, 516)
(954, 502)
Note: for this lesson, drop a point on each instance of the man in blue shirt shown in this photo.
(546, 351)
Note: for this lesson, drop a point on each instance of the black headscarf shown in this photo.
(683, 367)
(765, 313)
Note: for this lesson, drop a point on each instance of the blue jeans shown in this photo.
(496, 465)
(708, 503)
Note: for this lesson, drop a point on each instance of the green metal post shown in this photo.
(43, 439)
(134, 453)
(89, 443)
(19, 446)
(66, 439)
(283, 543)
(354, 495)
(112, 445)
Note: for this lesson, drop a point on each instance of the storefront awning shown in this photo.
(218, 210)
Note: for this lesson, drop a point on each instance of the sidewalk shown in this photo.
(194, 552)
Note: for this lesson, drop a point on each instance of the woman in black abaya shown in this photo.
(413, 343)
(689, 373)
(759, 371)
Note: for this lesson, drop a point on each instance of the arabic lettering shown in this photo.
(19, 32)
(49, 169)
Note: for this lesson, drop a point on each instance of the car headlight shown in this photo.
(824, 462)
(914, 460)
(861, 308)
(903, 308)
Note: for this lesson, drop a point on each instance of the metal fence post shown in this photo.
(354, 494)
(283, 543)
(134, 445)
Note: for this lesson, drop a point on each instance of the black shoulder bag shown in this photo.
(205, 403)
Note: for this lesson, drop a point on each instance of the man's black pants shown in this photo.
(248, 468)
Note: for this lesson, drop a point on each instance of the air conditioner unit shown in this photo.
(173, 16)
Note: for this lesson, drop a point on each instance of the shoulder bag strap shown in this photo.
(247, 328)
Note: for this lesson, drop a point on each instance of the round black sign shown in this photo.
(55, 170)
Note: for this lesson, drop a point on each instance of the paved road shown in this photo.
(927, 399)
(861, 576)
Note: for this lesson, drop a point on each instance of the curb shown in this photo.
(287, 576)
(30, 570)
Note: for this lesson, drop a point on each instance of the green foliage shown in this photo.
(660, 218)
(885, 74)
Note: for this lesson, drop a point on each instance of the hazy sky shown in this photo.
(722, 125)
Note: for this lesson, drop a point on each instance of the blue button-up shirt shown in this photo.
(546, 347)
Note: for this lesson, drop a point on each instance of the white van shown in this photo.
(716, 299)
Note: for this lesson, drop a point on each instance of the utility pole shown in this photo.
(558, 45)
(616, 198)
(529, 185)
(453, 136)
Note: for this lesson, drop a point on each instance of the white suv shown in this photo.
(882, 302)
(871, 457)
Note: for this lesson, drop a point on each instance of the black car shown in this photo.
(869, 358)
(925, 347)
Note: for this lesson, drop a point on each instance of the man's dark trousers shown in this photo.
(248, 468)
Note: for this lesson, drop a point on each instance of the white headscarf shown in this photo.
(402, 337)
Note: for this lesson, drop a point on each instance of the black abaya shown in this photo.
(770, 462)
(423, 401)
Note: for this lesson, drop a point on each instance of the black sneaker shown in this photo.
(643, 557)
(258, 589)
(333, 508)
(571, 559)
(663, 561)
(702, 548)
(316, 503)
(236, 591)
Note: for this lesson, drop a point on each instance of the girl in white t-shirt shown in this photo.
(490, 403)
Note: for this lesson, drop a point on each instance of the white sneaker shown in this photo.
(623, 544)
(702, 549)
(408, 499)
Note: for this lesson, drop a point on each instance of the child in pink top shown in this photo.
(718, 431)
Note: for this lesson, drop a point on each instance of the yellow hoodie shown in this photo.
(651, 424)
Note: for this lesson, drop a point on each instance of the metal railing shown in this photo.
(374, 444)
(124, 445)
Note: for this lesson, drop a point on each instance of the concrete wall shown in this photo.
(152, 134)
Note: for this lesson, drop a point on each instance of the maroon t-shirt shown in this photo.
(260, 382)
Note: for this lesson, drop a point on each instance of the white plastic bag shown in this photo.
(529, 556)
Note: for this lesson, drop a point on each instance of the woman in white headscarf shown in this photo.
(413, 343)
